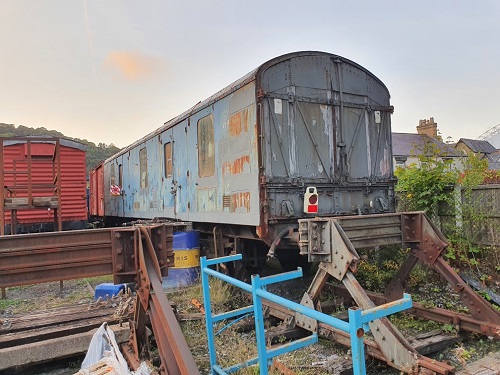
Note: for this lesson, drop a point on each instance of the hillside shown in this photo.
(95, 153)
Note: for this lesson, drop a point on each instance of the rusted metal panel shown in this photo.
(42, 257)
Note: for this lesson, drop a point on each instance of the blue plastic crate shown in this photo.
(109, 289)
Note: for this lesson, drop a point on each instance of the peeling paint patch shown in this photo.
(240, 202)
(385, 166)
(240, 165)
(206, 200)
(238, 122)
(235, 124)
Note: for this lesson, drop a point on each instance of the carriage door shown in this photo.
(169, 180)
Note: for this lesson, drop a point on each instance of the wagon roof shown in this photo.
(251, 76)
(44, 139)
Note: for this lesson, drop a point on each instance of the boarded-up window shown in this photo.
(143, 167)
(206, 147)
(167, 150)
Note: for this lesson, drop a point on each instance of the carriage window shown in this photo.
(143, 167)
(112, 175)
(206, 147)
(120, 175)
(167, 151)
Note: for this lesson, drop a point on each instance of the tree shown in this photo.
(424, 186)
(95, 154)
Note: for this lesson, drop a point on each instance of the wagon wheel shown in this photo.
(254, 256)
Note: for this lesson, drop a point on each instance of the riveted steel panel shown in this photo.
(320, 129)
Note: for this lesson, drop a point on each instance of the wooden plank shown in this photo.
(45, 202)
(13, 203)
(54, 331)
(489, 365)
(433, 344)
(48, 350)
(54, 316)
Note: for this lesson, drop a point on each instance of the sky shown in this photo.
(113, 71)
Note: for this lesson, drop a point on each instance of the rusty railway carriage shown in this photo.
(31, 180)
(305, 134)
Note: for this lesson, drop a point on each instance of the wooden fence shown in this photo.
(477, 211)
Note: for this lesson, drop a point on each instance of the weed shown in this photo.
(6, 303)
(464, 355)
(449, 328)
(411, 325)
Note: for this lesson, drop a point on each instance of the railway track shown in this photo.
(143, 254)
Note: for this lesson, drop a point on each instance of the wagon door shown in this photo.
(169, 178)
(300, 140)
(181, 159)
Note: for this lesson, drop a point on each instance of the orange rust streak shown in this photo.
(235, 124)
(245, 119)
(239, 200)
(237, 166)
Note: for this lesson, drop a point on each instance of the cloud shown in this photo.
(134, 66)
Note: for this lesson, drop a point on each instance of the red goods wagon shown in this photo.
(30, 174)
(96, 204)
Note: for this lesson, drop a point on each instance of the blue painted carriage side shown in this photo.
(230, 195)
(324, 121)
(141, 196)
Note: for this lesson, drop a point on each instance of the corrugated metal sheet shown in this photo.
(73, 189)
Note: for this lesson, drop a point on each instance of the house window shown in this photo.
(120, 175)
(206, 147)
(401, 161)
(167, 151)
(143, 167)
(448, 161)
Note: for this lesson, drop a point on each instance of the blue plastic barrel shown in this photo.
(186, 269)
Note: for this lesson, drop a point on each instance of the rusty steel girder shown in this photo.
(152, 303)
(43, 257)
(36, 258)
